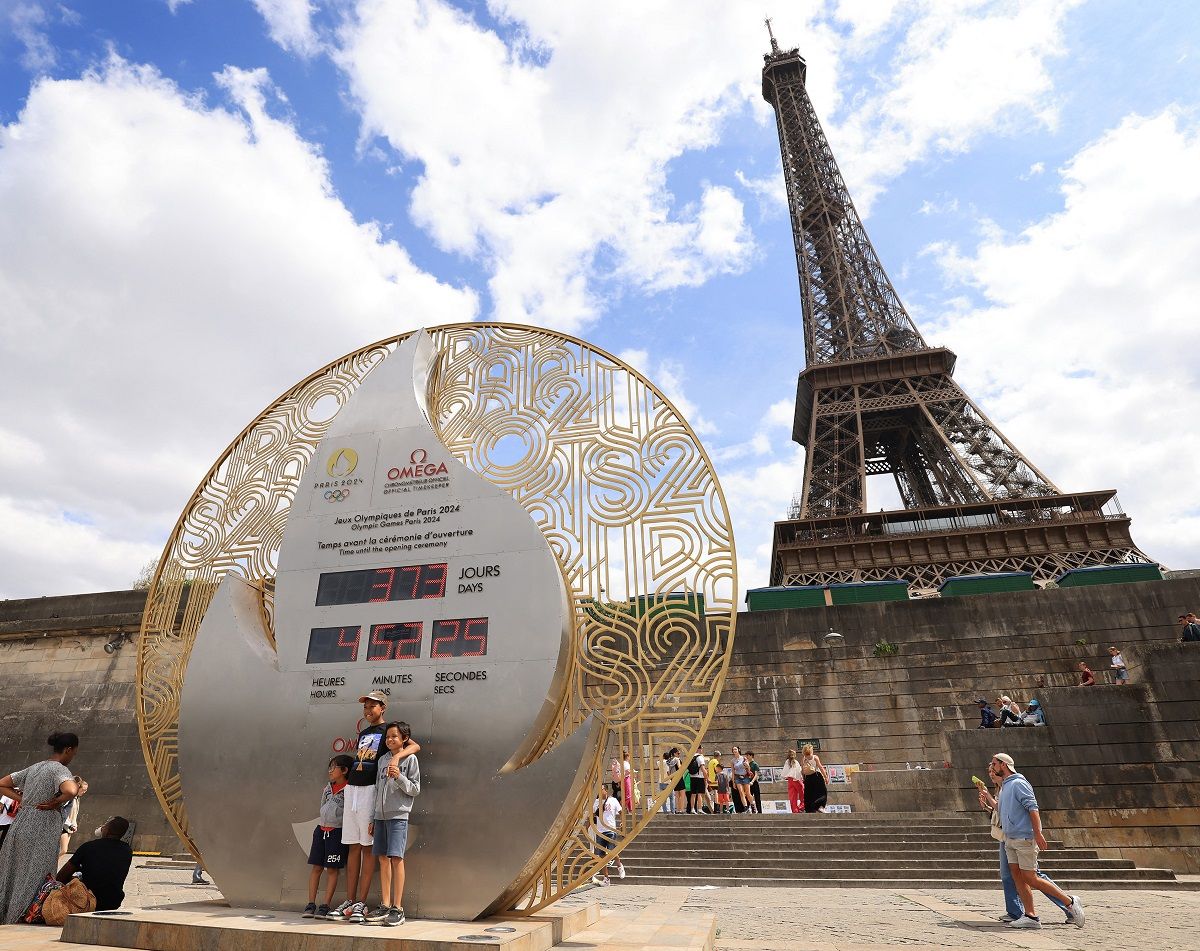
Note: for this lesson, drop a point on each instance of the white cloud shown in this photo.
(964, 69)
(29, 22)
(289, 23)
(1090, 328)
(547, 158)
(167, 268)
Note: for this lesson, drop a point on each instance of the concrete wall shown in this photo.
(1116, 770)
(55, 675)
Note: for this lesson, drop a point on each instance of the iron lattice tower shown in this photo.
(875, 398)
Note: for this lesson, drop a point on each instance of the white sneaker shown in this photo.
(620, 871)
(1006, 918)
(1025, 922)
(1076, 912)
(339, 913)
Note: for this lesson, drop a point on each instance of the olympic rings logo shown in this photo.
(337, 495)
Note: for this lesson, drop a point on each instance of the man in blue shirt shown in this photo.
(987, 716)
(1022, 825)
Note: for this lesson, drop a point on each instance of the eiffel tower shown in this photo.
(875, 398)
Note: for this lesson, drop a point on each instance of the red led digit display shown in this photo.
(395, 641)
(464, 637)
(333, 645)
(374, 585)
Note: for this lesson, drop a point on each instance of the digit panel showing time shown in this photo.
(395, 641)
(333, 645)
(464, 637)
(376, 585)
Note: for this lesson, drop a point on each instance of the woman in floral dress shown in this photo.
(30, 850)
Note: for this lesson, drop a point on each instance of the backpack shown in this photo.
(694, 765)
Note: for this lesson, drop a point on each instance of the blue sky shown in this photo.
(201, 201)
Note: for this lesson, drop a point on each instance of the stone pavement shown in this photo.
(815, 919)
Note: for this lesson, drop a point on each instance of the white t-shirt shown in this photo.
(5, 818)
(1117, 660)
(606, 814)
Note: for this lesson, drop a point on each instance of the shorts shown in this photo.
(698, 786)
(359, 813)
(742, 780)
(1022, 853)
(724, 799)
(1121, 673)
(391, 838)
(681, 786)
(605, 840)
(327, 849)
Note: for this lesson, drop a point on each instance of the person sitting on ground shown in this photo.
(1033, 715)
(1191, 630)
(1086, 677)
(987, 718)
(1010, 712)
(103, 864)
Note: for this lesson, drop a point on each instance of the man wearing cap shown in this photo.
(1022, 825)
(1033, 715)
(359, 811)
(987, 716)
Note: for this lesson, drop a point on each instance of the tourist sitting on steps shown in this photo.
(1010, 712)
(987, 718)
(1033, 715)
(1191, 629)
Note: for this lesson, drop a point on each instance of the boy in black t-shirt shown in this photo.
(360, 809)
(103, 864)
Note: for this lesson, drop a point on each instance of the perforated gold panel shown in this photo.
(608, 469)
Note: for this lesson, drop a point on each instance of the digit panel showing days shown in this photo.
(375, 585)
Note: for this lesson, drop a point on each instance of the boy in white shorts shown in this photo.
(360, 809)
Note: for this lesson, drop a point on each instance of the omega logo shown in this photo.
(418, 467)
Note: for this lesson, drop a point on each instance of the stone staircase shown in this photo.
(879, 850)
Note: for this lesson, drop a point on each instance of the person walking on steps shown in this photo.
(1021, 823)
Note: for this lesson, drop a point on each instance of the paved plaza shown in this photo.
(811, 919)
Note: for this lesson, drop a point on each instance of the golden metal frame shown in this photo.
(605, 465)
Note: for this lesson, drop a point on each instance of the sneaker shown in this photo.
(1076, 912)
(379, 914)
(340, 912)
(356, 914)
(322, 911)
(310, 910)
(600, 880)
(1025, 922)
(620, 871)
(1006, 918)
(395, 917)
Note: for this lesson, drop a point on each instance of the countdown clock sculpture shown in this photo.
(509, 533)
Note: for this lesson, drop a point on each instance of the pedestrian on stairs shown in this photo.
(605, 810)
(795, 781)
(1021, 822)
(816, 789)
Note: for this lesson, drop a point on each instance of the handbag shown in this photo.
(73, 898)
(997, 830)
(33, 914)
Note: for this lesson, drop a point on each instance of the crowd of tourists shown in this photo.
(41, 881)
(711, 785)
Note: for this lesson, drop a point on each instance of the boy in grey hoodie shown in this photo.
(327, 851)
(397, 782)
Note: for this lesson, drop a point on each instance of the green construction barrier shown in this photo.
(987, 584)
(1109, 574)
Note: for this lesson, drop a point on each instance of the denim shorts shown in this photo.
(391, 838)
